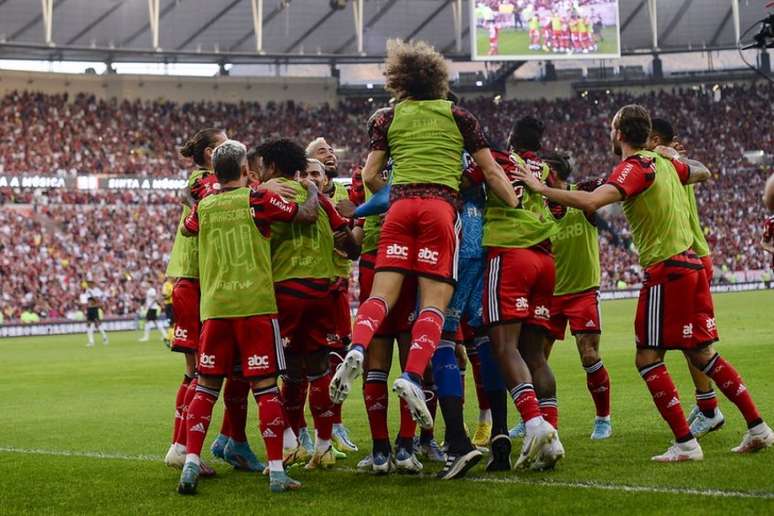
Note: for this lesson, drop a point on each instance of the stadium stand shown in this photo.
(67, 236)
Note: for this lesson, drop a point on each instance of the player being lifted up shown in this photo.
(675, 309)
(705, 416)
(302, 268)
(425, 135)
(238, 308)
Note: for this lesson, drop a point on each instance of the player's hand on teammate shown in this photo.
(667, 152)
(678, 146)
(528, 179)
(280, 188)
(346, 208)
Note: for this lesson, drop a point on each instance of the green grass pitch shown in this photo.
(83, 431)
(516, 42)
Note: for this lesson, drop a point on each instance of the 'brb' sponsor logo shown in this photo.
(206, 360)
(428, 256)
(397, 251)
(258, 362)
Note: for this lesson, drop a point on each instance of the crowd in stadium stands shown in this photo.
(65, 236)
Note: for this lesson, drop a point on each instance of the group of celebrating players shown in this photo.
(466, 254)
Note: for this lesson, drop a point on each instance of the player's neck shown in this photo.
(627, 151)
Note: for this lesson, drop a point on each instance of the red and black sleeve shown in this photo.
(378, 125)
(470, 128)
(633, 175)
(191, 222)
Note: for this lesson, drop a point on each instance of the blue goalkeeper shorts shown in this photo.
(468, 296)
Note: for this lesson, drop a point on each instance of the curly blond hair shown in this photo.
(415, 70)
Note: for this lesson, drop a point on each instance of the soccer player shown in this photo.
(705, 416)
(320, 150)
(425, 135)
(152, 314)
(93, 299)
(576, 293)
(238, 308)
(184, 268)
(518, 286)
(675, 309)
(534, 32)
(302, 261)
(396, 327)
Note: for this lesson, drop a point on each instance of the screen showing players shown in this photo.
(510, 30)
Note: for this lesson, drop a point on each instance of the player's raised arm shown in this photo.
(586, 201)
(495, 177)
(375, 163)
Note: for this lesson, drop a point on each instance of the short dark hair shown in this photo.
(288, 156)
(227, 160)
(526, 134)
(634, 125)
(252, 154)
(663, 129)
(559, 163)
(195, 146)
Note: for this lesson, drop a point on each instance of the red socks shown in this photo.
(294, 395)
(425, 335)
(526, 402)
(730, 384)
(549, 409)
(369, 317)
(598, 383)
(271, 420)
(375, 396)
(408, 427)
(235, 417)
(707, 402)
(320, 404)
(182, 432)
(665, 396)
(198, 418)
(180, 405)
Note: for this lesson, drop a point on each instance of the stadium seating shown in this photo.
(123, 237)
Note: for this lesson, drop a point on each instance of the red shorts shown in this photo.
(252, 341)
(580, 309)
(401, 315)
(343, 314)
(709, 270)
(675, 309)
(185, 306)
(307, 324)
(420, 236)
(518, 286)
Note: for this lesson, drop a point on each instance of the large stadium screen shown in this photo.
(518, 30)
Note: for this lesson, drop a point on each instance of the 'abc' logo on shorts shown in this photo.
(206, 360)
(258, 362)
(428, 256)
(397, 251)
(181, 333)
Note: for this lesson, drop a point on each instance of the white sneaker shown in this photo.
(175, 457)
(407, 462)
(548, 455)
(702, 425)
(692, 414)
(755, 439)
(414, 397)
(681, 452)
(142, 340)
(534, 440)
(365, 464)
(341, 383)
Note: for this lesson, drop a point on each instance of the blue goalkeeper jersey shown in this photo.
(472, 218)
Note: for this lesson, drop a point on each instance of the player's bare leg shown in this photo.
(705, 416)
(650, 363)
(384, 294)
(597, 381)
(730, 383)
(518, 380)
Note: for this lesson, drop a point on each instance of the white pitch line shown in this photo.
(603, 486)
